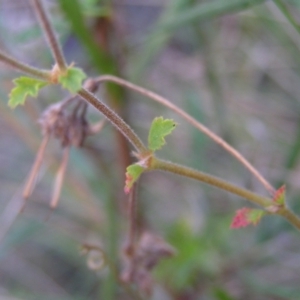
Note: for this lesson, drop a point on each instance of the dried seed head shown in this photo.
(54, 121)
(77, 131)
(151, 249)
(148, 252)
(69, 129)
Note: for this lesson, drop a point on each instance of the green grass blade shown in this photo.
(287, 14)
(209, 10)
(102, 61)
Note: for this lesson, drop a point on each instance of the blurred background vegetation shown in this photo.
(232, 64)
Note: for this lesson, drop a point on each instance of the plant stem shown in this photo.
(224, 185)
(114, 119)
(132, 203)
(30, 182)
(113, 269)
(290, 216)
(59, 179)
(211, 180)
(24, 67)
(50, 35)
(192, 121)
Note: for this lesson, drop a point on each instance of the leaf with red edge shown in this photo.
(240, 219)
(279, 197)
(255, 215)
(133, 173)
(246, 216)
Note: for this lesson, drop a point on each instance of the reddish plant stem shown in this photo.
(60, 178)
(132, 219)
(115, 119)
(50, 35)
(30, 182)
(10, 61)
(193, 121)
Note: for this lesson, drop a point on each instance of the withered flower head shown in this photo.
(70, 128)
(148, 252)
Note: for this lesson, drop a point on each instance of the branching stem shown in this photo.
(115, 119)
(192, 121)
(134, 139)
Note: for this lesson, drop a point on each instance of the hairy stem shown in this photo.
(115, 119)
(192, 121)
(50, 35)
(211, 180)
(290, 216)
(10, 61)
(224, 185)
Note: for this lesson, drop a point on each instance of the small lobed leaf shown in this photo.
(72, 79)
(246, 216)
(255, 215)
(160, 128)
(279, 197)
(24, 86)
(133, 172)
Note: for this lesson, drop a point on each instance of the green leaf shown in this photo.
(221, 294)
(72, 79)
(160, 127)
(255, 216)
(133, 173)
(208, 10)
(24, 86)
